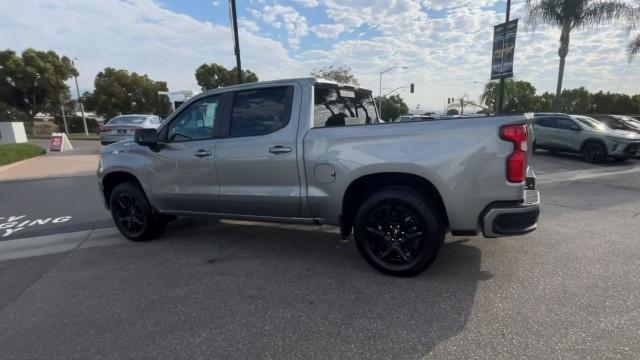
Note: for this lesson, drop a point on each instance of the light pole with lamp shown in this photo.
(381, 73)
(75, 77)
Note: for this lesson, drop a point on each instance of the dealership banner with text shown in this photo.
(504, 46)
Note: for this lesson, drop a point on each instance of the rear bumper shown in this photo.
(510, 220)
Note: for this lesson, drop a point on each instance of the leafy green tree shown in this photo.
(342, 74)
(520, 96)
(392, 107)
(213, 76)
(576, 101)
(34, 81)
(569, 15)
(119, 92)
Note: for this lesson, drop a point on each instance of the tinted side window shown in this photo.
(260, 111)
(546, 122)
(565, 124)
(196, 122)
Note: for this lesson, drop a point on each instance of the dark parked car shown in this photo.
(619, 122)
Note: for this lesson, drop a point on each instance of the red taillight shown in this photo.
(103, 129)
(517, 161)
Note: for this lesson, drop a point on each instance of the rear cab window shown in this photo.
(260, 111)
(342, 106)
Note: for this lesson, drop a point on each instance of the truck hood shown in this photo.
(119, 146)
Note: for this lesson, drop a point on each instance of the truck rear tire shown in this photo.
(133, 215)
(399, 231)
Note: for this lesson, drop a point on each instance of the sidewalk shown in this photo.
(69, 163)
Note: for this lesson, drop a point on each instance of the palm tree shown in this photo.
(574, 14)
(634, 45)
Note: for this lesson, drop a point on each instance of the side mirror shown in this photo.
(575, 128)
(146, 137)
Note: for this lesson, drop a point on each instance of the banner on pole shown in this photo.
(504, 46)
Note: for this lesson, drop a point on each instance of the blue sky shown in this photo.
(446, 44)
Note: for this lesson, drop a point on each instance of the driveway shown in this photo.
(237, 290)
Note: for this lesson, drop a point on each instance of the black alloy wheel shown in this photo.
(398, 231)
(395, 234)
(128, 214)
(594, 152)
(133, 215)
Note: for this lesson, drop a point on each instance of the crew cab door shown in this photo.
(568, 134)
(183, 171)
(257, 162)
(543, 130)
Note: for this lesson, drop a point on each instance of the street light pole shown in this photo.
(236, 39)
(502, 81)
(75, 77)
(380, 97)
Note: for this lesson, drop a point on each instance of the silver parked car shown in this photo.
(585, 135)
(123, 127)
(314, 152)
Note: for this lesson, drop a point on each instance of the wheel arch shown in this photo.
(362, 187)
(113, 179)
(594, 140)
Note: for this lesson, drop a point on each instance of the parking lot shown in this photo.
(221, 289)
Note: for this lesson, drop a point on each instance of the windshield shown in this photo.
(125, 120)
(630, 122)
(334, 106)
(590, 122)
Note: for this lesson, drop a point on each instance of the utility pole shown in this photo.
(236, 39)
(84, 119)
(502, 81)
(64, 117)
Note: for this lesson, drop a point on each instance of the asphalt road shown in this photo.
(48, 206)
(224, 290)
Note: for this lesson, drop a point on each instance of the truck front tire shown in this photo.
(399, 231)
(133, 215)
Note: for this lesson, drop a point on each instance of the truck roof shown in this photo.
(311, 80)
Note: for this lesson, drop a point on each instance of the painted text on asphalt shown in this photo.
(12, 224)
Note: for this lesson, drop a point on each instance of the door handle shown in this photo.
(279, 149)
(202, 153)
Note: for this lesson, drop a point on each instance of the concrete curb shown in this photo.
(36, 178)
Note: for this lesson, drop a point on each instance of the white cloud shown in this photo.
(248, 25)
(215, 2)
(327, 30)
(444, 55)
(139, 36)
(307, 3)
(280, 16)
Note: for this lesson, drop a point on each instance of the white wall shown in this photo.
(12, 133)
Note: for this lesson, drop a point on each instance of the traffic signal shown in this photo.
(412, 88)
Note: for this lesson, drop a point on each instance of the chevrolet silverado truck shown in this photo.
(312, 151)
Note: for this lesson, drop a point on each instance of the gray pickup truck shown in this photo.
(312, 151)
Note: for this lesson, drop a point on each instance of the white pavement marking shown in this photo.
(581, 175)
(12, 224)
(58, 243)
